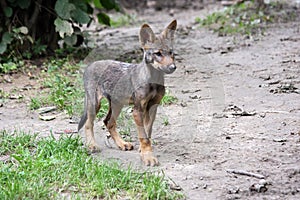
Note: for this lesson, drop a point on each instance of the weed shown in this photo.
(49, 168)
(35, 103)
(121, 20)
(168, 98)
(8, 67)
(104, 108)
(166, 121)
(126, 123)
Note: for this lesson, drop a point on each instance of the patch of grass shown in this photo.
(10, 66)
(168, 98)
(49, 168)
(245, 18)
(62, 87)
(104, 108)
(35, 103)
(166, 121)
(126, 123)
(121, 20)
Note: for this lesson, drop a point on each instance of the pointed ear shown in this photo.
(146, 35)
(169, 32)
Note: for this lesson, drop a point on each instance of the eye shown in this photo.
(158, 54)
(171, 52)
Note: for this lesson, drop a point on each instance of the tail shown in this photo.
(82, 120)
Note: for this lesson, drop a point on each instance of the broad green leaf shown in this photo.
(70, 40)
(80, 16)
(7, 38)
(23, 3)
(103, 18)
(63, 27)
(8, 11)
(3, 47)
(64, 8)
(109, 4)
(80, 4)
(98, 4)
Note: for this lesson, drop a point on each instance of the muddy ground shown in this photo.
(238, 108)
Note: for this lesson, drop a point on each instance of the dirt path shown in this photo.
(238, 109)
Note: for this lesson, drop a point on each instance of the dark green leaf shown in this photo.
(70, 40)
(8, 11)
(80, 16)
(64, 8)
(3, 47)
(109, 4)
(98, 4)
(7, 38)
(80, 4)
(23, 3)
(103, 19)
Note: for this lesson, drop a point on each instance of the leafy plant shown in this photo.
(29, 28)
(49, 168)
(168, 98)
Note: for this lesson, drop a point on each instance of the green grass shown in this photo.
(61, 87)
(168, 98)
(49, 168)
(121, 20)
(246, 18)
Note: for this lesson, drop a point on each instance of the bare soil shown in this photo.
(238, 109)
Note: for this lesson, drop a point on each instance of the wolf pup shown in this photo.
(124, 83)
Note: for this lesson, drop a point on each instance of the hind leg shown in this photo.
(93, 107)
(110, 122)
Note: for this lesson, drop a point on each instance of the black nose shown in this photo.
(172, 67)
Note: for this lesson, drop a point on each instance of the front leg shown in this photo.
(151, 109)
(145, 144)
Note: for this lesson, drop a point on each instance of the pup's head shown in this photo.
(158, 50)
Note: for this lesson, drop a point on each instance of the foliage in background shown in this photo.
(33, 28)
(47, 168)
(247, 18)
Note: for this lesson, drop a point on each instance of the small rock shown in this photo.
(263, 182)
(258, 188)
(262, 115)
(174, 186)
(195, 97)
(47, 117)
(46, 109)
(7, 79)
(195, 186)
(233, 190)
(279, 140)
(183, 104)
(16, 96)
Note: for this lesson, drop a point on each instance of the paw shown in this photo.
(148, 159)
(93, 148)
(126, 146)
